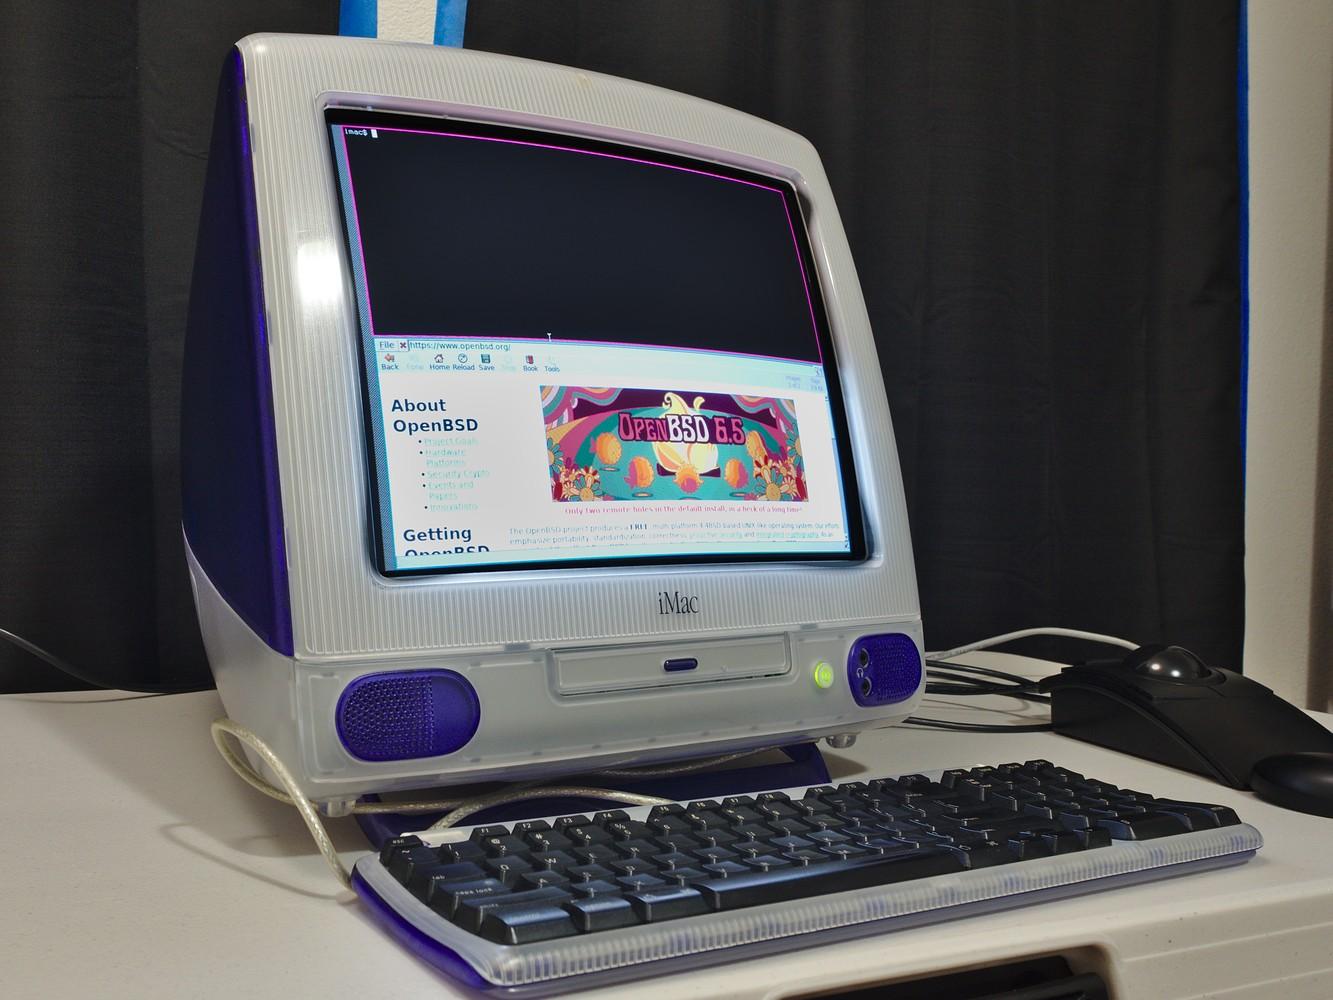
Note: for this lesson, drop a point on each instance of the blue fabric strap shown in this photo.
(358, 17)
(362, 18)
(450, 17)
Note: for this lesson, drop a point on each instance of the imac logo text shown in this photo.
(676, 603)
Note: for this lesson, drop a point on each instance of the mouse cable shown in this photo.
(975, 727)
(66, 668)
(955, 679)
(997, 640)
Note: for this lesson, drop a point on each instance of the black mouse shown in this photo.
(1300, 781)
(1164, 704)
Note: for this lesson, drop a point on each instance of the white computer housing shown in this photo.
(368, 669)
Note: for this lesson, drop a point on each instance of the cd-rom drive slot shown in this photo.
(602, 669)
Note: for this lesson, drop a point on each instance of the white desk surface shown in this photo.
(138, 865)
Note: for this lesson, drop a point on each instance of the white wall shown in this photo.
(1288, 539)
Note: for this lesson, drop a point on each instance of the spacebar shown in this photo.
(780, 884)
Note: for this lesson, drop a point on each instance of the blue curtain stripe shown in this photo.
(1243, 160)
(361, 18)
(450, 17)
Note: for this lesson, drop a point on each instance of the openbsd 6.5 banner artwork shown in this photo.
(655, 444)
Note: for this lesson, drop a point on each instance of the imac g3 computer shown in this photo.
(532, 425)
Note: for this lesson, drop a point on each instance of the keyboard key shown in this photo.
(434, 880)
(395, 844)
(666, 903)
(637, 848)
(552, 860)
(670, 823)
(716, 837)
(683, 876)
(823, 838)
(677, 842)
(752, 831)
(587, 873)
(524, 923)
(810, 806)
(446, 899)
(633, 866)
(601, 913)
(641, 881)
(497, 845)
(1027, 847)
(791, 843)
(464, 851)
(1200, 815)
(506, 869)
(629, 829)
(704, 819)
(596, 854)
(674, 859)
(587, 834)
(597, 887)
(1094, 837)
(805, 856)
(1144, 826)
(471, 912)
(800, 882)
(540, 879)
(408, 860)
(766, 862)
(712, 855)
(740, 816)
(846, 849)
(547, 840)
(785, 826)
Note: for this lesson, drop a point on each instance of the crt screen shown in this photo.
(580, 352)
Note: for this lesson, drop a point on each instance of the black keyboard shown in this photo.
(518, 904)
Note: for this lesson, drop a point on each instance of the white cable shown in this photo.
(546, 791)
(671, 769)
(290, 793)
(413, 806)
(257, 781)
(221, 729)
(1070, 633)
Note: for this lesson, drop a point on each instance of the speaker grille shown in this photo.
(883, 669)
(402, 715)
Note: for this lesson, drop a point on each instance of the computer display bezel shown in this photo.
(854, 515)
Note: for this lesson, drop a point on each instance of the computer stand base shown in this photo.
(804, 766)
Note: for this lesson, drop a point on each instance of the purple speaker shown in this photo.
(883, 669)
(407, 714)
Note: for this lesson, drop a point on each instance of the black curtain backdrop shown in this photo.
(1043, 202)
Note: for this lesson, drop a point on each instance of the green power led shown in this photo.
(823, 674)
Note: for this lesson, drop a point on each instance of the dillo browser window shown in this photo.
(598, 355)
